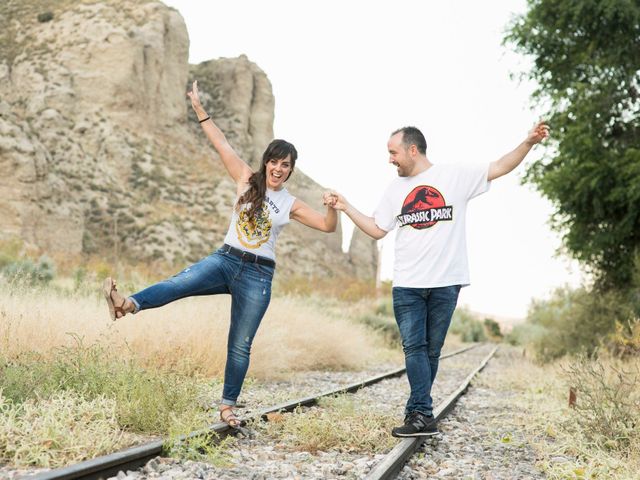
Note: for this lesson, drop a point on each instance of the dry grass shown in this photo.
(340, 423)
(191, 334)
(50, 340)
(341, 287)
(558, 431)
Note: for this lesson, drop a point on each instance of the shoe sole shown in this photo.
(421, 434)
(107, 285)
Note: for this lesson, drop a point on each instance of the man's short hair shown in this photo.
(413, 136)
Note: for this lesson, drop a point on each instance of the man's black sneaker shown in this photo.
(416, 424)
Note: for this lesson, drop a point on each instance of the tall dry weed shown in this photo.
(607, 406)
(189, 334)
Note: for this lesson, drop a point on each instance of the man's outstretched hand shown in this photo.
(538, 133)
(334, 200)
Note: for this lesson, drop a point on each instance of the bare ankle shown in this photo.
(129, 306)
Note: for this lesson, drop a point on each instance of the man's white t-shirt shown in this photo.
(430, 210)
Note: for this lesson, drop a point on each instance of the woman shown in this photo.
(244, 266)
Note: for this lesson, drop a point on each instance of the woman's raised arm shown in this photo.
(237, 168)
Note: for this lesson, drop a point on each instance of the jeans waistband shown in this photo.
(248, 256)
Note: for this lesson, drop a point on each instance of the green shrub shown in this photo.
(384, 325)
(385, 307)
(45, 17)
(467, 326)
(524, 333)
(10, 251)
(625, 340)
(576, 321)
(28, 272)
(492, 327)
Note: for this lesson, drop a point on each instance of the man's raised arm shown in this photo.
(511, 160)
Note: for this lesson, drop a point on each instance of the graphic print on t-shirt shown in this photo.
(254, 234)
(423, 208)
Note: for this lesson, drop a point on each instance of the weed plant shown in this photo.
(53, 407)
(58, 430)
(200, 445)
(146, 400)
(598, 437)
(607, 407)
(341, 423)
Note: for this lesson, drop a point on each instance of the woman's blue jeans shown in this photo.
(249, 285)
(423, 316)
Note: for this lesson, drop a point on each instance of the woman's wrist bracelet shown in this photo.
(204, 119)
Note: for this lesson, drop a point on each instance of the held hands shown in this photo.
(538, 133)
(333, 199)
(329, 198)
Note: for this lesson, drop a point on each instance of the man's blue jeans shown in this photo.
(249, 285)
(423, 316)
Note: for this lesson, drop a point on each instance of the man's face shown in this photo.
(399, 155)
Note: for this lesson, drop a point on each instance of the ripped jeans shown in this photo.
(249, 285)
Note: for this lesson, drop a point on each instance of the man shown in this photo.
(428, 204)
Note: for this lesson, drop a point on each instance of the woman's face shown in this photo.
(278, 170)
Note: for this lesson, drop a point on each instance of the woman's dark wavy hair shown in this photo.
(254, 196)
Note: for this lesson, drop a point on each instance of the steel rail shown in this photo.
(134, 457)
(393, 462)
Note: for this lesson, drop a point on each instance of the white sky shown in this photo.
(345, 74)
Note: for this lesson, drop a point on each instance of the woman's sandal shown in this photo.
(228, 417)
(109, 286)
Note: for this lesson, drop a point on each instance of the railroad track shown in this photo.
(135, 457)
(393, 462)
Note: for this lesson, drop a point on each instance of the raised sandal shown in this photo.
(109, 286)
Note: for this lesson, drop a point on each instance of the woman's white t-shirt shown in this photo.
(260, 237)
(430, 210)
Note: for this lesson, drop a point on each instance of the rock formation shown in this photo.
(100, 153)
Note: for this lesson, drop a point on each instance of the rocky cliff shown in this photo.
(100, 153)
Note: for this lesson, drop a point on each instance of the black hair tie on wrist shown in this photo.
(204, 119)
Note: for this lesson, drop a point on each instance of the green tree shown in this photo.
(586, 62)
